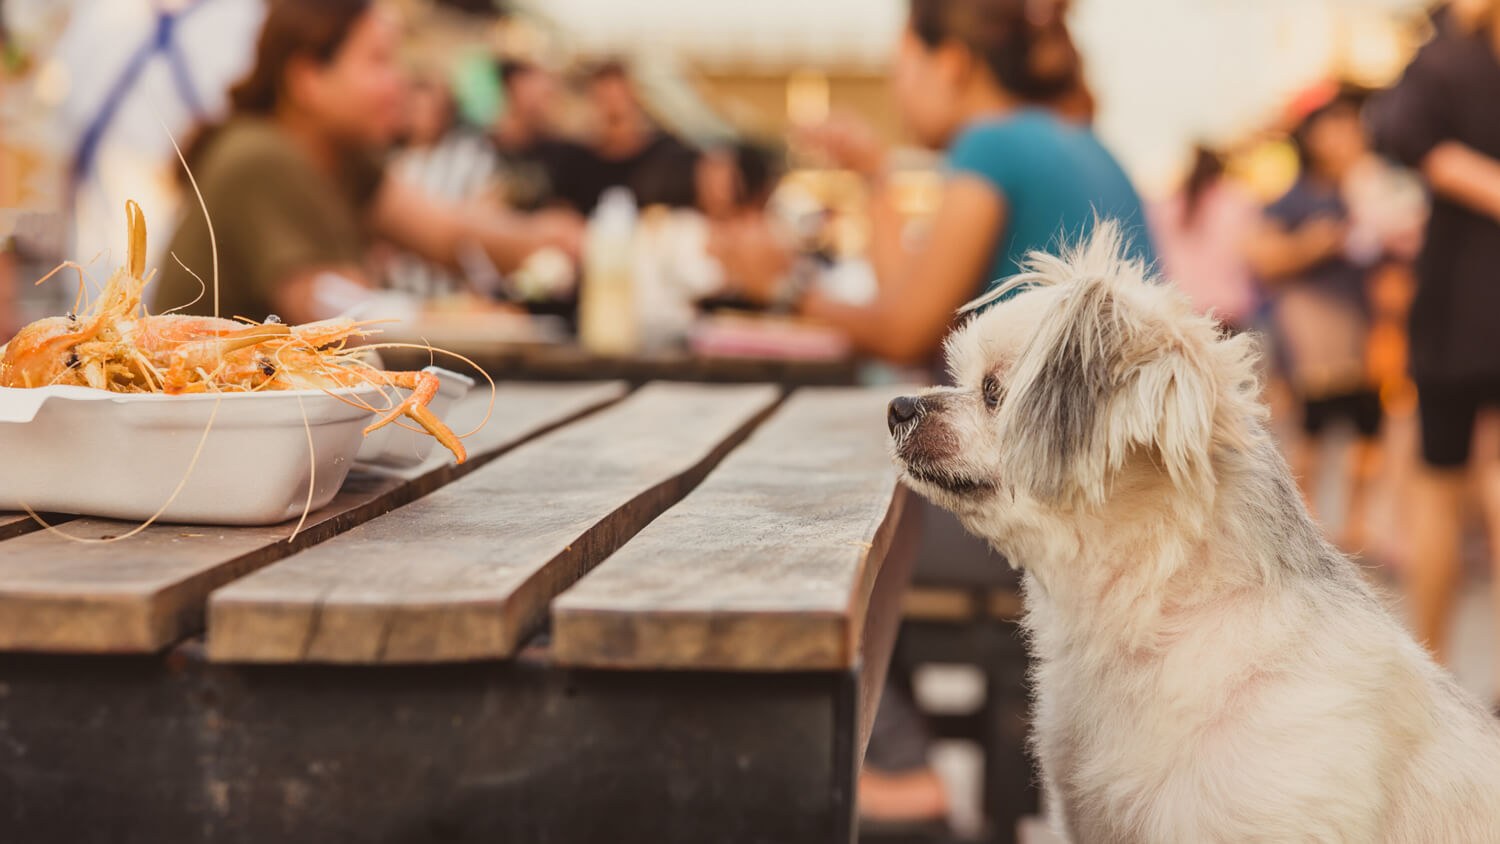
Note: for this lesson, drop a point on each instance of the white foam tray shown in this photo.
(91, 452)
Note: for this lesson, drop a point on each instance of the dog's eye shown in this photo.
(992, 391)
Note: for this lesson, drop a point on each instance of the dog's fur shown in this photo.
(1207, 667)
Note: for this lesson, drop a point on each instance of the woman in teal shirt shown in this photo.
(981, 79)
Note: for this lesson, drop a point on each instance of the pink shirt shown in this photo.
(1206, 260)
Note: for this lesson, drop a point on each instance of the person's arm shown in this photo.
(1463, 175)
(437, 230)
(310, 293)
(1276, 253)
(853, 145)
(888, 248)
(9, 321)
(915, 304)
(916, 297)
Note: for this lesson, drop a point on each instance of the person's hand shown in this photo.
(1322, 238)
(559, 228)
(849, 142)
(754, 259)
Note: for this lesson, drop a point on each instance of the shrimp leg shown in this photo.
(423, 386)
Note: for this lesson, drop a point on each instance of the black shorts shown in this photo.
(1361, 409)
(1448, 411)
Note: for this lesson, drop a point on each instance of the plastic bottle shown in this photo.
(607, 318)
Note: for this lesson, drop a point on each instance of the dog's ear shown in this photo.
(1097, 384)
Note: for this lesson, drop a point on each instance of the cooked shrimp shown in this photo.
(115, 345)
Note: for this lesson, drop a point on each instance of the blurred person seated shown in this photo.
(1200, 234)
(296, 189)
(1441, 119)
(1303, 249)
(532, 156)
(734, 184)
(448, 163)
(736, 179)
(626, 149)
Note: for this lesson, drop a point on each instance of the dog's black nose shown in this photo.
(902, 409)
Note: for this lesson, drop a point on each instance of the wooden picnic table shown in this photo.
(660, 615)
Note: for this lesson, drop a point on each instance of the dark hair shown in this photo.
(1024, 43)
(1347, 99)
(760, 165)
(510, 70)
(314, 29)
(1207, 169)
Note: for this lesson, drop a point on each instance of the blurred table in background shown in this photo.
(737, 349)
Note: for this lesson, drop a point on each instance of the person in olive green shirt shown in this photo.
(293, 183)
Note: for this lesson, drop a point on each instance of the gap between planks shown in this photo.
(768, 566)
(468, 573)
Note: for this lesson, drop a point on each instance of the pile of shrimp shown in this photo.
(113, 344)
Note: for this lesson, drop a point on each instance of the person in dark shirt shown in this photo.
(1301, 251)
(628, 149)
(531, 156)
(1443, 118)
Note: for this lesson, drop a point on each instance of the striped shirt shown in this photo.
(460, 167)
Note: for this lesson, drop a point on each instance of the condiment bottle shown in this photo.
(607, 318)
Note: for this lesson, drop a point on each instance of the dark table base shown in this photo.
(146, 750)
(172, 748)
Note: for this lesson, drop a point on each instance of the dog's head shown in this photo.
(1093, 382)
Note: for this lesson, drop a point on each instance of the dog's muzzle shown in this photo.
(902, 410)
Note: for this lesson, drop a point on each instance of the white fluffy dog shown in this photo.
(1208, 668)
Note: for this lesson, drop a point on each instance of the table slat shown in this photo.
(467, 572)
(143, 593)
(767, 566)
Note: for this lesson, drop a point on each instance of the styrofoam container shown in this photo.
(399, 447)
(91, 452)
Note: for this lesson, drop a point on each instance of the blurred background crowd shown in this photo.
(646, 175)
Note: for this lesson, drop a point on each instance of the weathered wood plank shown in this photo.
(467, 572)
(148, 591)
(767, 566)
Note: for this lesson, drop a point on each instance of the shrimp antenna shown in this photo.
(202, 288)
(213, 244)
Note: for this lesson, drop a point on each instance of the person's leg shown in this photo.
(1306, 456)
(897, 784)
(1487, 475)
(1432, 581)
(1447, 418)
(1364, 462)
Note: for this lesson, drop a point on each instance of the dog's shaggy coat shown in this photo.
(1207, 667)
